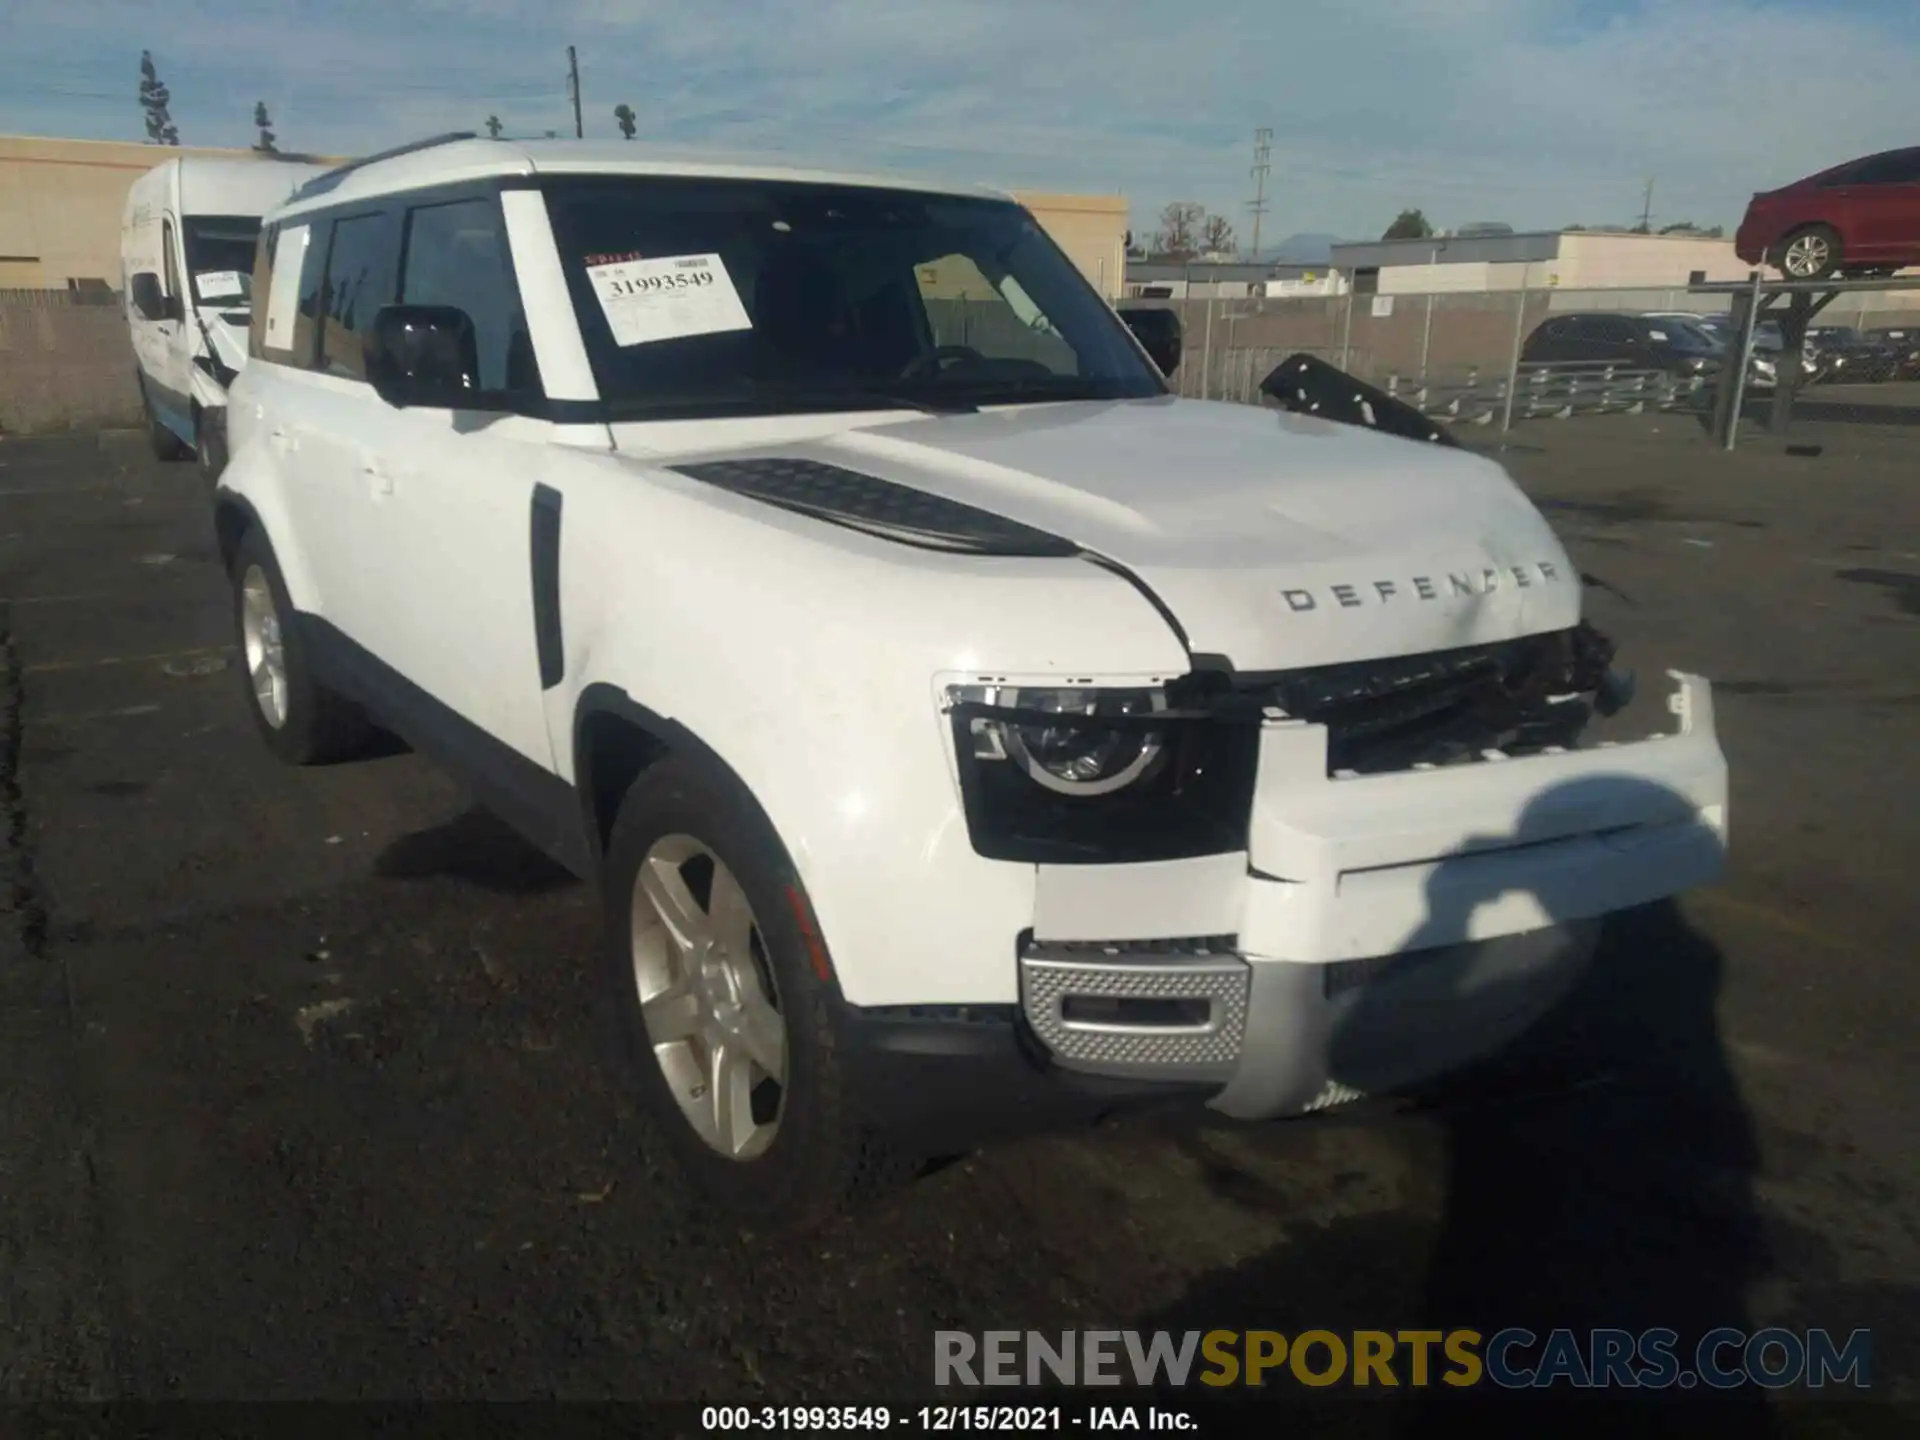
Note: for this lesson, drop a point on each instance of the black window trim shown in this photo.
(396, 204)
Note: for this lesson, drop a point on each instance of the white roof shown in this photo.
(210, 186)
(458, 160)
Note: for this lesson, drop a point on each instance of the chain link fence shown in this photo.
(1460, 357)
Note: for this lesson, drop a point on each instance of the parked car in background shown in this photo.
(1852, 354)
(1861, 218)
(1614, 340)
(1768, 341)
(1904, 341)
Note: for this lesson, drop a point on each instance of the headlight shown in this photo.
(1099, 775)
(1066, 753)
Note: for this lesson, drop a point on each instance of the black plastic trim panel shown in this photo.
(876, 507)
(547, 634)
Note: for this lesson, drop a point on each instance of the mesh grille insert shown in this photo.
(879, 507)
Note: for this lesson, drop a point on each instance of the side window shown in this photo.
(1900, 168)
(361, 264)
(262, 291)
(171, 265)
(294, 254)
(1000, 322)
(456, 254)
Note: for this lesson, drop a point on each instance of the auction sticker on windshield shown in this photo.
(215, 283)
(670, 298)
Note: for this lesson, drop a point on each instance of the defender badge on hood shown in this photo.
(1484, 581)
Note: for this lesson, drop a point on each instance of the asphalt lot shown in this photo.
(305, 1087)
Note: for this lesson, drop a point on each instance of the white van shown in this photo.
(186, 258)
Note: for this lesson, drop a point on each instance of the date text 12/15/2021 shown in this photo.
(944, 1419)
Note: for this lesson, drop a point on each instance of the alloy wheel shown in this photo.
(1807, 256)
(708, 998)
(266, 654)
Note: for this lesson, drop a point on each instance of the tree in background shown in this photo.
(493, 127)
(623, 116)
(264, 124)
(153, 99)
(1409, 225)
(1179, 235)
(1216, 236)
(1687, 227)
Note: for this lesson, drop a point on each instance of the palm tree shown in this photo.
(623, 114)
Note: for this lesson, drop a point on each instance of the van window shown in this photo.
(361, 263)
(456, 254)
(167, 260)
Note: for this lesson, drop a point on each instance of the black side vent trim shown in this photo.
(877, 507)
(546, 586)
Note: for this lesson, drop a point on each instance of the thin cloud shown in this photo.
(1539, 112)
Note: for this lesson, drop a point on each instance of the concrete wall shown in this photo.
(64, 366)
(61, 202)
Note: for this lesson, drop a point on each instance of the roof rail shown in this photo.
(320, 184)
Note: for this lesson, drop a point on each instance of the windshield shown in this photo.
(220, 259)
(701, 296)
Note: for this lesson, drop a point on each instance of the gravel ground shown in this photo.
(306, 1091)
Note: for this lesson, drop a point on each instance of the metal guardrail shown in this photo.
(1476, 398)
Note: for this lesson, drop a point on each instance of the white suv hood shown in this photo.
(1272, 539)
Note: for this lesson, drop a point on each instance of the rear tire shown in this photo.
(302, 721)
(798, 1151)
(1812, 252)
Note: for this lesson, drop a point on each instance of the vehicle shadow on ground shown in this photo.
(478, 848)
(1598, 1174)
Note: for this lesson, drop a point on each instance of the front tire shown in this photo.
(1810, 253)
(302, 721)
(728, 1006)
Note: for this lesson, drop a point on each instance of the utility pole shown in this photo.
(573, 90)
(1646, 210)
(1258, 205)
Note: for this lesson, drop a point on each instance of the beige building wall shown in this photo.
(1092, 229)
(61, 202)
(1594, 262)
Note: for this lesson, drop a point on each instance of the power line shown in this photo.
(1262, 147)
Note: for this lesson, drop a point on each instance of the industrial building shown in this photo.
(1545, 259)
(61, 202)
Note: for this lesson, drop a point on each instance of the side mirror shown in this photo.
(148, 303)
(422, 355)
(1159, 334)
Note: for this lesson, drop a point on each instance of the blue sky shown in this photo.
(1536, 112)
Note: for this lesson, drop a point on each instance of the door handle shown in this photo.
(377, 479)
(282, 440)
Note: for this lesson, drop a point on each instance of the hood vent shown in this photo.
(876, 507)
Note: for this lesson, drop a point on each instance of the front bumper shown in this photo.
(1384, 929)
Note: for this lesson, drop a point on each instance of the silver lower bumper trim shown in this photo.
(1173, 1010)
(1287, 1037)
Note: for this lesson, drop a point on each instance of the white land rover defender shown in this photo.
(965, 733)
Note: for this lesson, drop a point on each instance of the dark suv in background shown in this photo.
(1606, 339)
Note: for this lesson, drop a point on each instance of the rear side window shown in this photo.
(262, 291)
(456, 254)
(1902, 167)
(282, 331)
(362, 262)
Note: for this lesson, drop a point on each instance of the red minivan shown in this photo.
(1860, 218)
